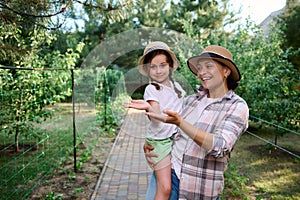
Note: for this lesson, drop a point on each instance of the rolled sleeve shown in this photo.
(234, 124)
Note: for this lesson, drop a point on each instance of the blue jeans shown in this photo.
(151, 191)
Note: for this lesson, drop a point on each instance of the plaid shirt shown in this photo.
(202, 171)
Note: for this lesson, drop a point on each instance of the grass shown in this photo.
(19, 171)
(272, 174)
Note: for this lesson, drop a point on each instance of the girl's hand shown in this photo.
(147, 149)
(171, 118)
(138, 104)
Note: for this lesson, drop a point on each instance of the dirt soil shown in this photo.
(67, 185)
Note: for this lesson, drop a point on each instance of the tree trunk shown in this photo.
(17, 139)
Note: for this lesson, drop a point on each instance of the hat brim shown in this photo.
(192, 62)
(142, 66)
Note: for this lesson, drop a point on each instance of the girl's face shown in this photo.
(159, 69)
(212, 75)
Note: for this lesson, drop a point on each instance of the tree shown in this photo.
(27, 91)
(20, 23)
(207, 18)
(268, 79)
(26, 44)
(19, 20)
(96, 16)
(203, 14)
(291, 31)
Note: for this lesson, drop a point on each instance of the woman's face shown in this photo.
(212, 75)
(159, 69)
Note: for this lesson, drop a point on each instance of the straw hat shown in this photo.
(217, 53)
(155, 46)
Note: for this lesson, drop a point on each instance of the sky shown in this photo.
(258, 10)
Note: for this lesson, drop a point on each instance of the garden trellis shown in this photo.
(277, 129)
(28, 98)
(25, 102)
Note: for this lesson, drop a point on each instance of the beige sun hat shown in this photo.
(155, 46)
(217, 53)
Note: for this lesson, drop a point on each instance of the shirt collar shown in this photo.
(202, 91)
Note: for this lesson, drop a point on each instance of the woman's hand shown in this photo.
(138, 104)
(171, 118)
(147, 149)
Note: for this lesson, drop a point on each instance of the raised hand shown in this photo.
(138, 104)
(171, 118)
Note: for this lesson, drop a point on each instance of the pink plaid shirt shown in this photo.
(202, 172)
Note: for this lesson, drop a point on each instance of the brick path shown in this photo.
(126, 173)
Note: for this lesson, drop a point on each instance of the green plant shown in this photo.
(109, 84)
(106, 119)
(85, 155)
(79, 165)
(259, 197)
(110, 114)
(235, 183)
(78, 190)
(53, 196)
(72, 176)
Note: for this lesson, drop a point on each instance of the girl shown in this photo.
(158, 63)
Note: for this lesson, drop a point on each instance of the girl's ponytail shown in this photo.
(178, 92)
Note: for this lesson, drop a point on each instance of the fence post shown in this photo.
(74, 124)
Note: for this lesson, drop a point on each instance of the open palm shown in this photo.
(138, 104)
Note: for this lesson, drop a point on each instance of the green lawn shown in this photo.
(272, 173)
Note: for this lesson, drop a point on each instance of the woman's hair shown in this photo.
(148, 58)
(231, 83)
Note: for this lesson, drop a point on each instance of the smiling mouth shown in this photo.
(205, 79)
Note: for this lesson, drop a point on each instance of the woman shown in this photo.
(210, 123)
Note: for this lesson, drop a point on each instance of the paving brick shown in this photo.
(126, 174)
